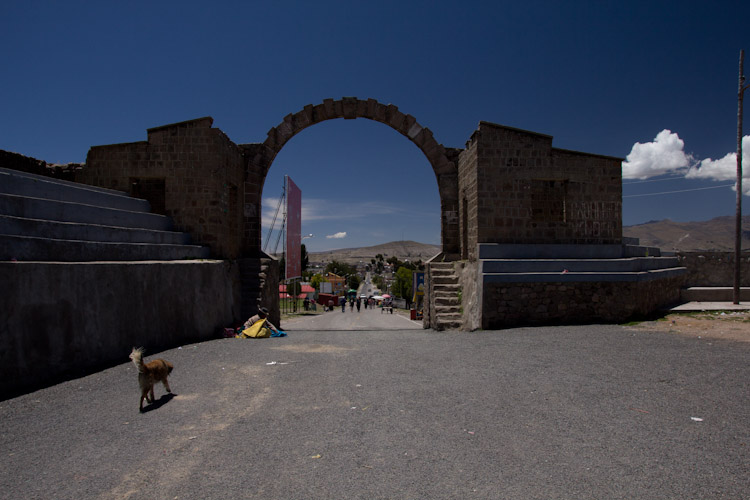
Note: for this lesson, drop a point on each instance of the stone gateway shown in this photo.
(529, 233)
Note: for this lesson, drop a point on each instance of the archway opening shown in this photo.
(362, 185)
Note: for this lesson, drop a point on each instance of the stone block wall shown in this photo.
(521, 190)
(593, 212)
(472, 292)
(192, 171)
(506, 305)
(714, 268)
(255, 178)
(468, 205)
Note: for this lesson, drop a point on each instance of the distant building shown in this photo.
(338, 283)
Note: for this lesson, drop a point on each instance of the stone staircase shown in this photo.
(46, 219)
(575, 263)
(444, 290)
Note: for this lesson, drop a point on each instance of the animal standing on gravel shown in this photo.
(150, 373)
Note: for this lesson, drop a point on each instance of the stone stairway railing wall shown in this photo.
(515, 285)
(523, 285)
(259, 278)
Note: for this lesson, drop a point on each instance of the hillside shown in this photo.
(714, 234)
(402, 249)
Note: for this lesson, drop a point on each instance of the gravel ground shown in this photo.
(586, 412)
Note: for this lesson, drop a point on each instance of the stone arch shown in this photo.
(442, 160)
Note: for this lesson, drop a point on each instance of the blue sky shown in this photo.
(599, 76)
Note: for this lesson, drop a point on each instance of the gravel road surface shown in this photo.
(585, 412)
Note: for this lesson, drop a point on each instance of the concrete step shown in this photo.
(450, 289)
(565, 251)
(712, 294)
(446, 300)
(61, 211)
(443, 272)
(632, 264)
(38, 186)
(444, 280)
(450, 315)
(571, 277)
(448, 311)
(548, 251)
(28, 248)
(21, 226)
(448, 324)
(441, 265)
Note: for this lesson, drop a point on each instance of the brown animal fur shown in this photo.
(149, 374)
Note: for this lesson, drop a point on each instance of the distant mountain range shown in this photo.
(714, 234)
(403, 250)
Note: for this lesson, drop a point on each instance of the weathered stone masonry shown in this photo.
(508, 186)
(516, 188)
(442, 160)
(189, 171)
(196, 175)
(540, 203)
(513, 304)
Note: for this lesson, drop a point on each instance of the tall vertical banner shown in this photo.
(293, 230)
(417, 284)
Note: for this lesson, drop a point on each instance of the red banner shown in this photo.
(293, 230)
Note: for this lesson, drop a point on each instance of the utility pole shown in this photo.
(738, 222)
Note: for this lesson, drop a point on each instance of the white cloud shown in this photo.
(337, 236)
(725, 169)
(662, 156)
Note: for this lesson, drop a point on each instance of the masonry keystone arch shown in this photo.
(443, 160)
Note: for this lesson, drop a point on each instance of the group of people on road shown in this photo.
(258, 325)
(352, 303)
(387, 305)
(309, 304)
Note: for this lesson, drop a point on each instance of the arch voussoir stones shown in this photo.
(394, 117)
(362, 108)
(380, 113)
(302, 120)
(372, 106)
(350, 108)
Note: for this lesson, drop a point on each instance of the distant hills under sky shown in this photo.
(715, 234)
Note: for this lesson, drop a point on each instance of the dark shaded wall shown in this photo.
(191, 171)
(63, 320)
(514, 187)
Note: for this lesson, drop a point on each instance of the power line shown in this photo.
(680, 191)
(654, 180)
(273, 222)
